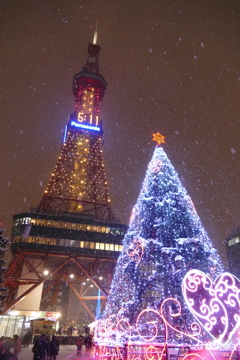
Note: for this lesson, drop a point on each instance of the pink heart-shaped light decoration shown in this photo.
(215, 305)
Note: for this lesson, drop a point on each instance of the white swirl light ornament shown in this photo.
(216, 305)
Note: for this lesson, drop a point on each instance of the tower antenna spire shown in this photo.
(95, 35)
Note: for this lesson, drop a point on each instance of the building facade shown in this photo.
(232, 244)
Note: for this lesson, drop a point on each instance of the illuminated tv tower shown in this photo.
(78, 182)
(71, 241)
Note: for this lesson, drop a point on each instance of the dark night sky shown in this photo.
(171, 66)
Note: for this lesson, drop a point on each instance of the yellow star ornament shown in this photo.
(158, 138)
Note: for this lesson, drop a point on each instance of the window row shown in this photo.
(68, 225)
(67, 242)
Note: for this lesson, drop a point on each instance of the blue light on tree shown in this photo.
(98, 307)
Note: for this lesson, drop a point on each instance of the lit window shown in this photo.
(106, 246)
(120, 247)
(24, 221)
(87, 244)
(107, 230)
(72, 242)
(233, 241)
(92, 245)
(103, 229)
(102, 246)
(89, 228)
(82, 244)
(97, 246)
(111, 247)
(116, 247)
(94, 228)
(51, 241)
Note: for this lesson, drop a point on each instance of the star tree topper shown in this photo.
(158, 138)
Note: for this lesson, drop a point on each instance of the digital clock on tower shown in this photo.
(88, 118)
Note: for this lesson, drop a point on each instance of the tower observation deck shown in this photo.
(71, 241)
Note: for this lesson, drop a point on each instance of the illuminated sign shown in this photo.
(89, 118)
(216, 305)
(85, 126)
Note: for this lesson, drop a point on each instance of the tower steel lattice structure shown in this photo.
(72, 234)
(78, 182)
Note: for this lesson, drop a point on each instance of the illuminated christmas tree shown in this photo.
(165, 240)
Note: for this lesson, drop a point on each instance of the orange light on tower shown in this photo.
(158, 138)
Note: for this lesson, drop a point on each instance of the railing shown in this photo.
(161, 352)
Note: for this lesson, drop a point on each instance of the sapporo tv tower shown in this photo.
(71, 240)
(78, 183)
